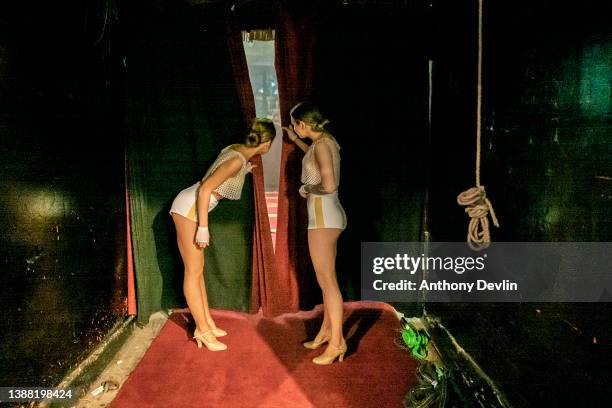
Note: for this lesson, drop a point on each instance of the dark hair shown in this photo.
(310, 114)
(261, 130)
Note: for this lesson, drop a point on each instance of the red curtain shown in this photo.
(281, 280)
(294, 61)
(263, 252)
(131, 290)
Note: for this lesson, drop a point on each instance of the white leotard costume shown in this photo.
(185, 202)
(324, 211)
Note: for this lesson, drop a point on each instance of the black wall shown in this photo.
(546, 140)
(62, 200)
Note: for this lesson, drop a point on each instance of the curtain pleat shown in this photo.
(262, 251)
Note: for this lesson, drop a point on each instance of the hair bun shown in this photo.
(253, 139)
(260, 130)
(321, 125)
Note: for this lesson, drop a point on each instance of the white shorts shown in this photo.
(185, 203)
(325, 211)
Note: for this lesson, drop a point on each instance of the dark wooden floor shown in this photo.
(546, 355)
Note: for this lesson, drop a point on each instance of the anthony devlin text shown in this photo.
(442, 285)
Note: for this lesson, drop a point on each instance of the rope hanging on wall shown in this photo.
(478, 205)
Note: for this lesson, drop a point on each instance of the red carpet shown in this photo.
(266, 366)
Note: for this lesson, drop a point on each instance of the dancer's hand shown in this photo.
(202, 238)
(250, 167)
(303, 191)
(290, 133)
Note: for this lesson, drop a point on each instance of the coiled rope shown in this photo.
(478, 205)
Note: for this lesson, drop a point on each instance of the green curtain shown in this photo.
(182, 109)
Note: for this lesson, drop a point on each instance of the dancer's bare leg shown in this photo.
(322, 245)
(206, 308)
(325, 329)
(193, 260)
